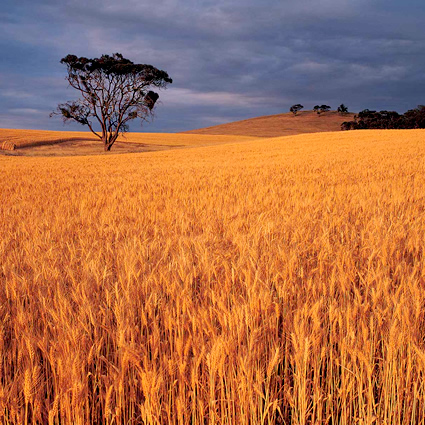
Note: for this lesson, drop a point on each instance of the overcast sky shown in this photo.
(229, 60)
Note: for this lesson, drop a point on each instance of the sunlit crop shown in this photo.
(277, 281)
(11, 139)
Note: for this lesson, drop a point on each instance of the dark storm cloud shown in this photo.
(229, 60)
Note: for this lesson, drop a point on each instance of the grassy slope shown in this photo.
(280, 125)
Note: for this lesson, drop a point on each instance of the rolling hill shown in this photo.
(279, 125)
(64, 143)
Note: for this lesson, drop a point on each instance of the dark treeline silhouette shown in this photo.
(342, 109)
(296, 108)
(319, 109)
(366, 119)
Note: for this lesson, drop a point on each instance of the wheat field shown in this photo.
(11, 139)
(275, 281)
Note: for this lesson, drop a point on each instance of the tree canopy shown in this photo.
(321, 108)
(114, 91)
(295, 108)
(342, 109)
(367, 119)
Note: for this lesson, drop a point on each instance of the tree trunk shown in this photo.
(108, 141)
(107, 144)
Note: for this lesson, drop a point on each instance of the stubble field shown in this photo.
(275, 281)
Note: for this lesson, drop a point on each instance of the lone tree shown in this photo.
(295, 108)
(342, 109)
(114, 91)
(322, 108)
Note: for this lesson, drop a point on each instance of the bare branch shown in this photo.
(114, 91)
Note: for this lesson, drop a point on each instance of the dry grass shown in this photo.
(280, 125)
(31, 138)
(7, 146)
(183, 140)
(268, 282)
(51, 143)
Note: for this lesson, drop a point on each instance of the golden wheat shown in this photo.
(265, 282)
(16, 139)
(7, 146)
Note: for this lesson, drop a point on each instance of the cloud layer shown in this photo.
(229, 60)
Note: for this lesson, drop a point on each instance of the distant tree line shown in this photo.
(319, 109)
(367, 119)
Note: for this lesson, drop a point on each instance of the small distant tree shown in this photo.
(296, 108)
(342, 109)
(113, 90)
(322, 108)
